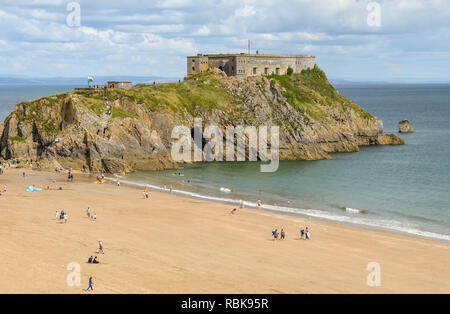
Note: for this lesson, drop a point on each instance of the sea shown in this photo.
(403, 189)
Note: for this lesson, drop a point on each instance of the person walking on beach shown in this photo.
(307, 233)
(57, 214)
(302, 233)
(275, 234)
(66, 217)
(88, 212)
(100, 247)
(91, 285)
(283, 234)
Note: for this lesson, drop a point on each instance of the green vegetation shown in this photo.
(31, 111)
(16, 139)
(290, 71)
(119, 113)
(193, 97)
(93, 103)
(310, 92)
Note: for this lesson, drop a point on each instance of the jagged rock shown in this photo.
(389, 139)
(73, 129)
(405, 127)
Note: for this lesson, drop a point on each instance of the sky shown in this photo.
(352, 39)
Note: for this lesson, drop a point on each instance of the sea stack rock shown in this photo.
(405, 127)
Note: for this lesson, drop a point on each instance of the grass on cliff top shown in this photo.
(193, 97)
(30, 111)
(310, 92)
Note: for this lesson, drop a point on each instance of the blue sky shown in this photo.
(152, 38)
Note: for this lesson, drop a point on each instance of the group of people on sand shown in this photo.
(170, 188)
(62, 216)
(282, 234)
(88, 214)
(93, 260)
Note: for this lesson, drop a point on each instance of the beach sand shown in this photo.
(171, 244)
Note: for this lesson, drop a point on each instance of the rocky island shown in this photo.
(75, 130)
(405, 126)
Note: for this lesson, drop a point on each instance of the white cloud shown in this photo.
(153, 37)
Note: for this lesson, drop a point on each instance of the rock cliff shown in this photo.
(74, 130)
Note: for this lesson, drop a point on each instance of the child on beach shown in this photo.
(66, 217)
(88, 212)
(307, 233)
(283, 234)
(302, 233)
(233, 211)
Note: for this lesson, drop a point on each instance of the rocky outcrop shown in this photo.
(404, 126)
(73, 129)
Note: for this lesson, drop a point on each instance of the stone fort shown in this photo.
(243, 65)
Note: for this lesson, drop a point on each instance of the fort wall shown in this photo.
(242, 65)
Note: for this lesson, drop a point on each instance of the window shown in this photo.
(277, 71)
(254, 70)
(266, 70)
(193, 68)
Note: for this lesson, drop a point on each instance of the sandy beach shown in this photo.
(171, 244)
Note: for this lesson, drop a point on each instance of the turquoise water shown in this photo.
(400, 188)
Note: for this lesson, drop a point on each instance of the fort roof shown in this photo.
(224, 55)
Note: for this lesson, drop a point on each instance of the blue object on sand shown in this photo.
(33, 189)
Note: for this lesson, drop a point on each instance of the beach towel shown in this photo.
(33, 189)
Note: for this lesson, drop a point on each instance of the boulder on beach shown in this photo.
(405, 127)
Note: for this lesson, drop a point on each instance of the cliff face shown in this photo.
(73, 129)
